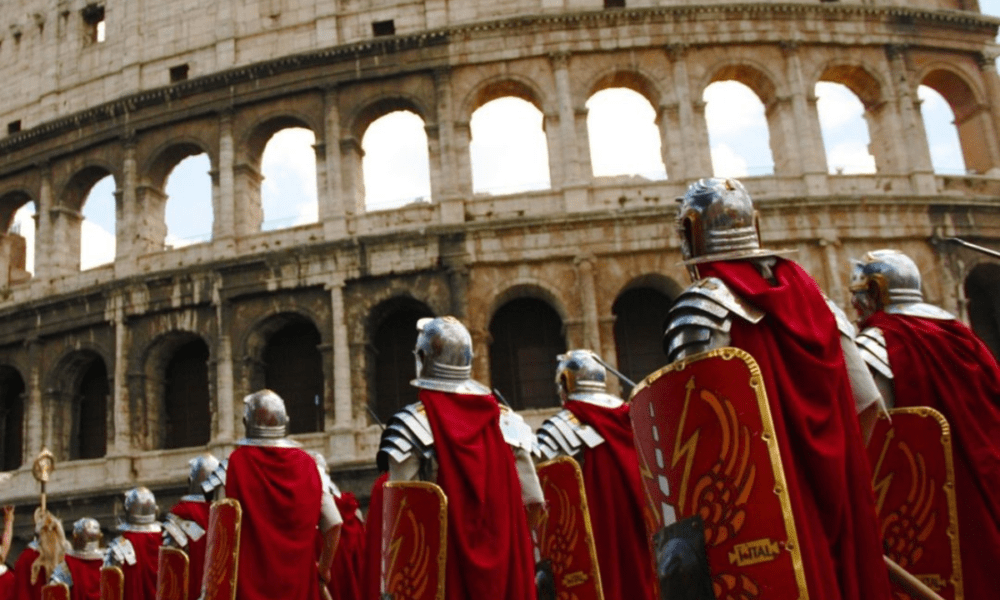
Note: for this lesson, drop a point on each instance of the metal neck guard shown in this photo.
(919, 309)
(268, 442)
(462, 386)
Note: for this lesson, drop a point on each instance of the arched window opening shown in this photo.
(12, 393)
(527, 337)
(640, 317)
(737, 131)
(288, 166)
(982, 288)
(509, 151)
(22, 255)
(845, 132)
(624, 137)
(189, 213)
(186, 396)
(394, 339)
(89, 435)
(942, 134)
(97, 235)
(294, 369)
(396, 161)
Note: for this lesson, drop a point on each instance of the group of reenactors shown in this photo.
(780, 453)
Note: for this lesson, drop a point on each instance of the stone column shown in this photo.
(608, 351)
(808, 135)
(988, 68)
(125, 208)
(342, 444)
(836, 269)
(919, 165)
(463, 159)
(150, 219)
(331, 195)
(247, 211)
(224, 217)
(782, 128)
(352, 176)
(481, 342)
(225, 418)
(567, 120)
(449, 183)
(695, 160)
(64, 225)
(887, 143)
(46, 262)
(120, 432)
(588, 301)
(34, 433)
(668, 123)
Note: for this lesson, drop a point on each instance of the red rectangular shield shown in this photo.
(707, 446)
(172, 574)
(913, 475)
(414, 540)
(112, 583)
(566, 537)
(222, 551)
(55, 591)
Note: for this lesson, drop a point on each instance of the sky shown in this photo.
(509, 155)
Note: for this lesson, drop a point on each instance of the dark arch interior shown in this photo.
(186, 397)
(982, 288)
(11, 418)
(527, 337)
(393, 341)
(639, 317)
(90, 431)
(294, 369)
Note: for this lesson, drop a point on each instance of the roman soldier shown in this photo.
(594, 428)
(81, 567)
(750, 298)
(479, 453)
(921, 355)
(280, 489)
(136, 551)
(38, 561)
(348, 561)
(186, 524)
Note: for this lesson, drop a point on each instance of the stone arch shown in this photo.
(755, 76)
(982, 289)
(168, 155)
(74, 193)
(78, 391)
(188, 422)
(867, 85)
(528, 288)
(503, 86)
(780, 153)
(392, 334)
(283, 353)
(261, 132)
(370, 112)
(13, 401)
(640, 311)
(976, 133)
(634, 80)
(10, 202)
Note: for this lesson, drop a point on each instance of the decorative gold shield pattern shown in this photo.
(112, 583)
(414, 540)
(566, 537)
(913, 475)
(707, 446)
(222, 550)
(172, 574)
(55, 591)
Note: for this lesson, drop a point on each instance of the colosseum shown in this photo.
(128, 369)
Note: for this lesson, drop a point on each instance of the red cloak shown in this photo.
(7, 584)
(279, 490)
(140, 578)
(23, 588)
(942, 364)
(372, 583)
(615, 499)
(797, 346)
(348, 561)
(86, 574)
(193, 510)
(490, 551)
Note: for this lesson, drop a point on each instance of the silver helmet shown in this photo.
(87, 538)
(717, 221)
(201, 467)
(264, 415)
(580, 376)
(140, 511)
(444, 357)
(889, 280)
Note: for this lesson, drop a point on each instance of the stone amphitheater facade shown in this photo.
(174, 79)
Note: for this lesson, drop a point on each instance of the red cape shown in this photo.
(191, 510)
(86, 573)
(348, 562)
(279, 490)
(140, 578)
(7, 585)
(23, 588)
(615, 499)
(797, 346)
(490, 551)
(942, 364)
(372, 584)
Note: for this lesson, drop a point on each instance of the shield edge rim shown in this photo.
(51, 586)
(767, 423)
(167, 551)
(949, 488)
(588, 527)
(119, 581)
(442, 554)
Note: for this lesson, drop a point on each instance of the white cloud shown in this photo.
(97, 245)
(837, 105)
(727, 163)
(509, 151)
(396, 163)
(288, 193)
(732, 108)
(624, 137)
(942, 135)
(850, 158)
(24, 222)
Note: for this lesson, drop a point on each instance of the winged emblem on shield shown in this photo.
(913, 476)
(707, 451)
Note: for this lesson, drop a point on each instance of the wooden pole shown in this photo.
(910, 584)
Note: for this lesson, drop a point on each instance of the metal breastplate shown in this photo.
(408, 434)
(565, 435)
(120, 552)
(871, 346)
(701, 318)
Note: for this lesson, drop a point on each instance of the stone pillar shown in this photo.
(224, 217)
(248, 213)
(448, 181)
(352, 176)
(808, 138)
(609, 352)
(668, 123)
(46, 262)
(567, 121)
(588, 301)
(342, 444)
(988, 68)
(125, 209)
(836, 271)
(225, 411)
(887, 145)
(463, 159)
(695, 151)
(34, 434)
(331, 196)
(919, 165)
(782, 128)
(118, 442)
(150, 219)
(481, 342)
(64, 225)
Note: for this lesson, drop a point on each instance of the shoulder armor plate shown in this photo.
(871, 346)
(216, 478)
(515, 431)
(407, 432)
(62, 575)
(120, 552)
(702, 316)
(920, 309)
(173, 533)
(564, 435)
(844, 324)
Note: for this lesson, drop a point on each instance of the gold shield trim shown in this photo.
(394, 543)
(55, 591)
(172, 574)
(222, 551)
(768, 436)
(112, 583)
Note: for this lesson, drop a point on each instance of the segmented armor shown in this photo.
(565, 435)
(120, 552)
(872, 347)
(180, 532)
(61, 574)
(215, 479)
(702, 317)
